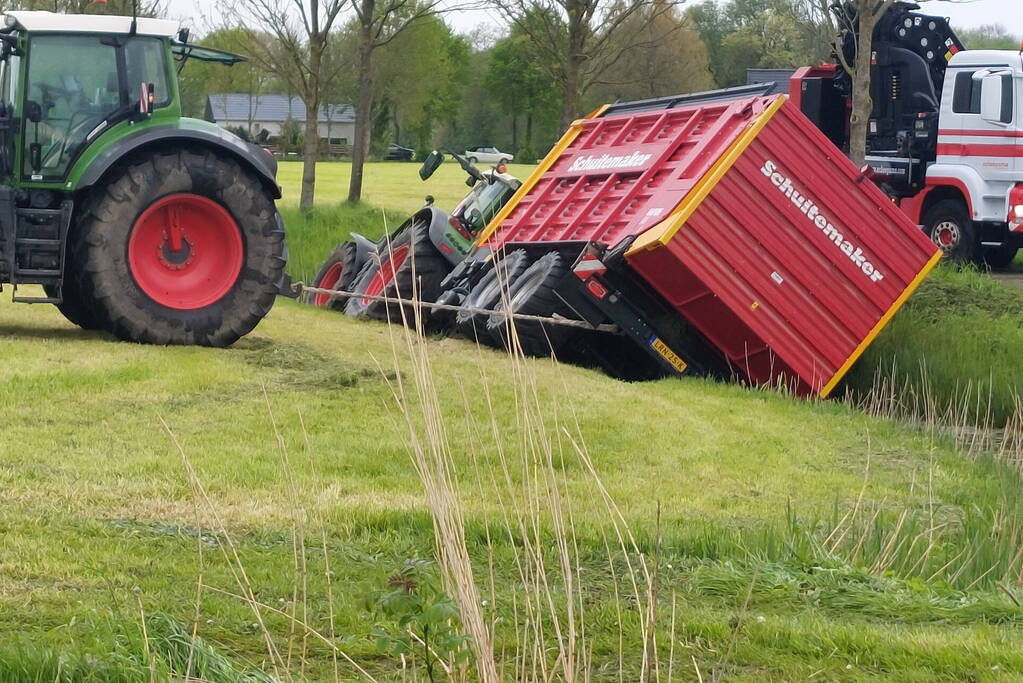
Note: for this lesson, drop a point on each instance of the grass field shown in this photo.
(789, 539)
(393, 184)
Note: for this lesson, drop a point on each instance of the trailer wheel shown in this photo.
(1000, 257)
(411, 266)
(337, 272)
(532, 293)
(949, 227)
(180, 248)
(487, 294)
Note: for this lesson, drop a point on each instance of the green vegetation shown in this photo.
(99, 504)
(392, 184)
(784, 539)
(953, 352)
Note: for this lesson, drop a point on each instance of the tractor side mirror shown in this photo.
(432, 162)
(147, 96)
(33, 111)
(996, 101)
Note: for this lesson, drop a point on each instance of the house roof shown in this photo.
(36, 20)
(272, 108)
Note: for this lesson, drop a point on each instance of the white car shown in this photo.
(487, 155)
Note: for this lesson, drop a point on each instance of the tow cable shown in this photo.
(555, 320)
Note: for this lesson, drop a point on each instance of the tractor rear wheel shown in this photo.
(409, 267)
(180, 248)
(337, 272)
(533, 293)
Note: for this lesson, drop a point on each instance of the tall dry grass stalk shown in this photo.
(966, 419)
(516, 455)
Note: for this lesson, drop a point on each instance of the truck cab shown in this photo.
(945, 137)
(978, 170)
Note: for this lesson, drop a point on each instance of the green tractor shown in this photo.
(134, 220)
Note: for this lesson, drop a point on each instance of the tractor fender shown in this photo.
(251, 156)
(449, 243)
(364, 247)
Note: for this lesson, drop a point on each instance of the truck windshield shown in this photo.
(75, 86)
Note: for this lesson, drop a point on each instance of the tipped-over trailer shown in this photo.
(722, 233)
(719, 234)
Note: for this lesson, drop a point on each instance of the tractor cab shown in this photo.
(69, 81)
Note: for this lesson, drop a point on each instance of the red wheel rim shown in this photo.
(328, 281)
(185, 252)
(385, 274)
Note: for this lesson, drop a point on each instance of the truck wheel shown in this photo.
(488, 293)
(411, 266)
(949, 227)
(532, 293)
(180, 248)
(337, 272)
(1000, 257)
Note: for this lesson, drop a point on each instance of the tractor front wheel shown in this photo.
(338, 272)
(180, 248)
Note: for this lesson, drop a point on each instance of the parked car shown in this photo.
(487, 155)
(398, 153)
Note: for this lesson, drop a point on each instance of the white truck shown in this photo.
(946, 133)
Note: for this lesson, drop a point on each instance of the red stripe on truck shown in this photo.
(983, 133)
(964, 150)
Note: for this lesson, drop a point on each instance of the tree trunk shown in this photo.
(515, 132)
(363, 107)
(311, 99)
(572, 84)
(862, 104)
(529, 133)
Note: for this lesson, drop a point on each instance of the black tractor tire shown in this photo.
(488, 293)
(533, 293)
(183, 293)
(337, 272)
(73, 305)
(948, 225)
(410, 267)
(1000, 258)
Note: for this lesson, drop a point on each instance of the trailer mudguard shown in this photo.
(252, 157)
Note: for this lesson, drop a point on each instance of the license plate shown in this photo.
(667, 354)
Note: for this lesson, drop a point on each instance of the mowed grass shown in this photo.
(392, 184)
(102, 526)
(796, 539)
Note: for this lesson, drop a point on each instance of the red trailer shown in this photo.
(724, 232)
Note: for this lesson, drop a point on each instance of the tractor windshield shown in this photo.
(486, 199)
(77, 86)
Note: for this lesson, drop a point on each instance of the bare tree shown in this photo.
(291, 39)
(578, 41)
(378, 22)
(857, 21)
